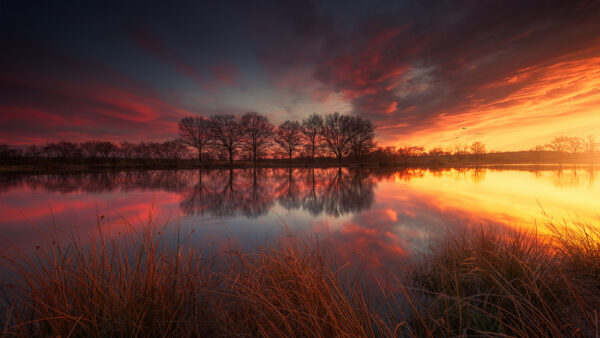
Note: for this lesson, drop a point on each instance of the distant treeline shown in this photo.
(224, 137)
(252, 137)
(558, 149)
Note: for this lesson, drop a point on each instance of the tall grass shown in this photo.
(486, 281)
(141, 287)
(511, 282)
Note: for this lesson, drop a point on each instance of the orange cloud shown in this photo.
(562, 98)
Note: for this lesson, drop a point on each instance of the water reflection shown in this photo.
(380, 213)
(253, 193)
(221, 193)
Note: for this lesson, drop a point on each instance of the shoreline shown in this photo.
(56, 168)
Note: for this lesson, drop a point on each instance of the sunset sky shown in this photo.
(433, 73)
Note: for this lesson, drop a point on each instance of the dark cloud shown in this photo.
(438, 59)
(134, 68)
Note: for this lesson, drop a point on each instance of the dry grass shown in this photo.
(500, 282)
(483, 282)
(140, 287)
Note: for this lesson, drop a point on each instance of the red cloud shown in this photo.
(113, 107)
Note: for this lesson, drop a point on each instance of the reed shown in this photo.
(485, 281)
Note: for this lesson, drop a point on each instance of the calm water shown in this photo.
(380, 214)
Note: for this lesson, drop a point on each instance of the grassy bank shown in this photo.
(486, 281)
(497, 160)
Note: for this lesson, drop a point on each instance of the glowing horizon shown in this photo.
(512, 75)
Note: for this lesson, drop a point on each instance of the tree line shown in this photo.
(95, 151)
(226, 137)
(253, 136)
(477, 151)
(572, 144)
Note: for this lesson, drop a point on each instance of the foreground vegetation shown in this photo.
(486, 281)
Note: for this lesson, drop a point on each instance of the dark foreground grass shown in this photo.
(484, 282)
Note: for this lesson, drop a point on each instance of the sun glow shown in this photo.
(544, 102)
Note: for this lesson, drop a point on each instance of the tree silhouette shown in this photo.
(478, 149)
(228, 133)
(460, 150)
(348, 135)
(559, 144)
(288, 137)
(575, 143)
(311, 130)
(195, 132)
(257, 134)
(336, 134)
(362, 135)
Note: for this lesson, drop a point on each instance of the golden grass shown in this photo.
(511, 282)
(488, 282)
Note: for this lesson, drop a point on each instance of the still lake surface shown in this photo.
(382, 214)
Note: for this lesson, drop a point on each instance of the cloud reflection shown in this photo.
(382, 214)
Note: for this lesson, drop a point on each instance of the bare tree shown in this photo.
(590, 144)
(62, 149)
(106, 149)
(288, 137)
(348, 135)
(575, 143)
(257, 134)
(460, 150)
(437, 151)
(154, 150)
(126, 149)
(336, 134)
(89, 149)
(311, 130)
(172, 149)
(559, 144)
(196, 132)
(141, 151)
(478, 149)
(409, 151)
(227, 133)
(362, 136)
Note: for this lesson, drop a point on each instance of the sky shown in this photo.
(510, 74)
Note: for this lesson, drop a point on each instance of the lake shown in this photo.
(381, 214)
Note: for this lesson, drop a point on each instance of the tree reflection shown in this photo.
(216, 194)
(348, 192)
(288, 189)
(312, 201)
(254, 192)
(257, 197)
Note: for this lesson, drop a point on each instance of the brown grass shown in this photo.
(487, 282)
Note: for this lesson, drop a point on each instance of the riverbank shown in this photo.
(57, 167)
(485, 281)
